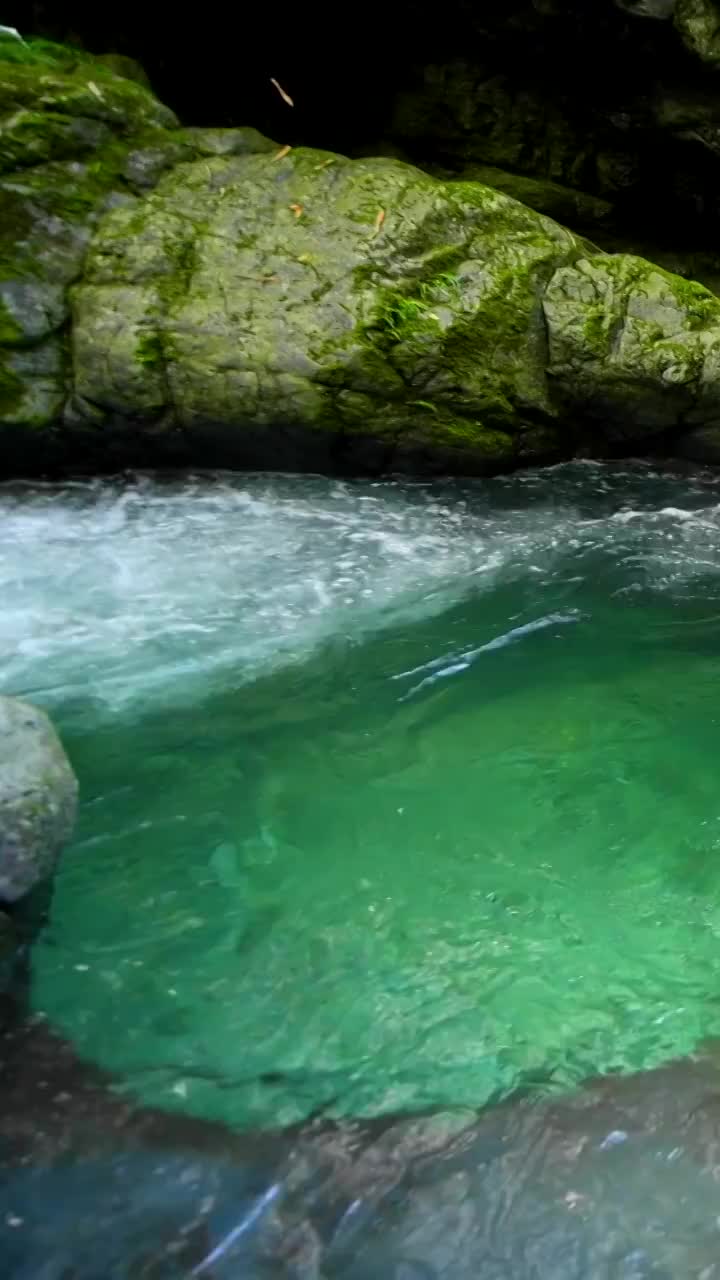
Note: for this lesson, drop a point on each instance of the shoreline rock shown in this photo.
(174, 297)
(570, 1186)
(38, 799)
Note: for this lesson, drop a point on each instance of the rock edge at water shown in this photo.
(38, 801)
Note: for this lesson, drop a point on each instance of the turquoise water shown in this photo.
(393, 795)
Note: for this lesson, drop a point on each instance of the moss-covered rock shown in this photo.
(205, 295)
(361, 299)
(70, 133)
(633, 347)
(401, 320)
(576, 209)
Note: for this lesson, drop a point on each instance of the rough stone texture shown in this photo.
(38, 798)
(68, 130)
(575, 209)
(362, 299)
(205, 296)
(633, 346)
(445, 322)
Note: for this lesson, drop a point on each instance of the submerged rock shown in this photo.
(38, 798)
(617, 1179)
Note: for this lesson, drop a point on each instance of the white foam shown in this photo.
(123, 589)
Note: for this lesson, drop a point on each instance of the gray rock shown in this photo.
(38, 798)
(34, 307)
(632, 347)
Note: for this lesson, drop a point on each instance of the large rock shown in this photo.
(443, 322)
(69, 129)
(38, 798)
(362, 300)
(205, 296)
(633, 346)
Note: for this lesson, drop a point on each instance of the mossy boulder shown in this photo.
(575, 209)
(362, 299)
(38, 798)
(69, 128)
(395, 319)
(206, 296)
(633, 347)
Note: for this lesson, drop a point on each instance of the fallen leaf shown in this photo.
(297, 209)
(283, 152)
(285, 96)
(378, 221)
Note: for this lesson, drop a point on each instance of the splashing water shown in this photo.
(395, 795)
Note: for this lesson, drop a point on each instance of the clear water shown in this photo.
(393, 795)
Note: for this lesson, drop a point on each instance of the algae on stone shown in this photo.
(354, 298)
(633, 346)
(257, 305)
(68, 130)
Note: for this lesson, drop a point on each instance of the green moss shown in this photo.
(10, 331)
(12, 392)
(596, 331)
(400, 316)
(149, 351)
(40, 53)
(700, 306)
(472, 433)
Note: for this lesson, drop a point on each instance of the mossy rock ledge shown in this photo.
(179, 296)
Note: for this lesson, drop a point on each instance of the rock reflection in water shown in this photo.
(616, 1182)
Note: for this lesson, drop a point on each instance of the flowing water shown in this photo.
(394, 795)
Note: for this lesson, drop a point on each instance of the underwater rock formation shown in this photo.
(616, 1180)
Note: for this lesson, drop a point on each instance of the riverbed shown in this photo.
(395, 796)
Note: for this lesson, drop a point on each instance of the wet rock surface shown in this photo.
(617, 1180)
(38, 798)
(197, 296)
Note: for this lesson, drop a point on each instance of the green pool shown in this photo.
(393, 795)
